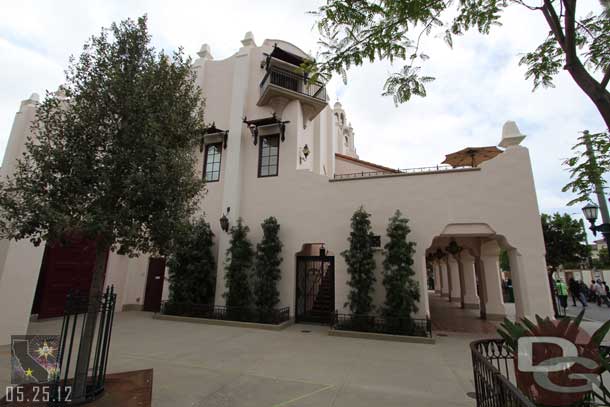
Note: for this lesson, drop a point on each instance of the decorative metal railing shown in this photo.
(382, 325)
(76, 312)
(274, 316)
(294, 82)
(400, 171)
(495, 379)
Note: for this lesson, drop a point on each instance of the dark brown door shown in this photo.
(65, 269)
(154, 284)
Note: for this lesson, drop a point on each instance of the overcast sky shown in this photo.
(479, 84)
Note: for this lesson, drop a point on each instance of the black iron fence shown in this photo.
(274, 316)
(382, 325)
(495, 379)
(292, 81)
(402, 171)
(76, 311)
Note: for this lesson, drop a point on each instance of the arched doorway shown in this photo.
(315, 284)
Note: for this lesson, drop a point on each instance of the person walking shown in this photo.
(583, 292)
(575, 292)
(562, 293)
(593, 292)
(600, 291)
(606, 298)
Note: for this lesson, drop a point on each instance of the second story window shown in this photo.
(211, 166)
(268, 156)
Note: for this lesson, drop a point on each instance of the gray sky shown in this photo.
(479, 84)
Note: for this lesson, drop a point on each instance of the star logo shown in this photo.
(45, 351)
(29, 372)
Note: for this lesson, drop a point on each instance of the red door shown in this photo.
(64, 269)
(154, 284)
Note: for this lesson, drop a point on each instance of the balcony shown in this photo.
(282, 84)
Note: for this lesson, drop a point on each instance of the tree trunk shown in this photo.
(599, 96)
(88, 333)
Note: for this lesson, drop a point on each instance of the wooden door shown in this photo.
(65, 269)
(154, 284)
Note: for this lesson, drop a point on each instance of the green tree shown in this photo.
(267, 266)
(603, 260)
(588, 166)
(239, 267)
(563, 237)
(192, 268)
(360, 264)
(112, 158)
(365, 30)
(402, 291)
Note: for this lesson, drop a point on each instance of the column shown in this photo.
(471, 298)
(530, 284)
(494, 305)
(421, 273)
(454, 275)
(437, 276)
(444, 278)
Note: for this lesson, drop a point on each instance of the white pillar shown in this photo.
(444, 278)
(437, 276)
(233, 168)
(454, 275)
(471, 299)
(530, 284)
(494, 306)
(421, 273)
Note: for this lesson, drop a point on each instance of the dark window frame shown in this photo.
(260, 155)
(205, 161)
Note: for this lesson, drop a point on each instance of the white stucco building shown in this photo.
(278, 148)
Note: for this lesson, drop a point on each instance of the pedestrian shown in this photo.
(600, 291)
(592, 292)
(562, 292)
(583, 293)
(573, 287)
(607, 296)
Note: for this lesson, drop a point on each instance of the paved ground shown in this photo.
(593, 312)
(213, 366)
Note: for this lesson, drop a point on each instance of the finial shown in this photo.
(511, 136)
(248, 40)
(205, 52)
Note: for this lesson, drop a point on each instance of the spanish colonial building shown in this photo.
(277, 147)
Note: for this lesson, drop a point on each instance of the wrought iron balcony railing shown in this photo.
(294, 82)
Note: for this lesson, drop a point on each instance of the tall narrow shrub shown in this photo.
(192, 268)
(239, 267)
(267, 266)
(402, 291)
(360, 264)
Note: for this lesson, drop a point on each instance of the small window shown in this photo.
(211, 166)
(268, 156)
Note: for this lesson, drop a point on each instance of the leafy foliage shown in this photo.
(112, 156)
(354, 32)
(239, 267)
(360, 264)
(402, 291)
(563, 237)
(192, 268)
(267, 266)
(587, 167)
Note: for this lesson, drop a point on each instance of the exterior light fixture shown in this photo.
(224, 221)
(306, 151)
(282, 126)
(590, 211)
(439, 254)
(322, 251)
(254, 131)
(453, 247)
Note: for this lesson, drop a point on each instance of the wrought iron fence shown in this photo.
(382, 325)
(274, 316)
(495, 379)
(77, 310)
(292, 81)
(401, 171)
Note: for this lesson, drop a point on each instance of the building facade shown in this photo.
(276, 147)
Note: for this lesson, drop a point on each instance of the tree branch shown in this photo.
(554, 23)
(606, 79)
(570, 31)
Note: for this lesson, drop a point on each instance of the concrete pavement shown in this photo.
(205, 365)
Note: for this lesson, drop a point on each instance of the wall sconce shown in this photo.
(254, 131)
(322, 251)
(453, 247)
(282, 126)
(224, 221)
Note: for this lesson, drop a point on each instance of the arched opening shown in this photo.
(315, 284)
(466, 284)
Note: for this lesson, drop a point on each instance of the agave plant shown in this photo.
(588, 346)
